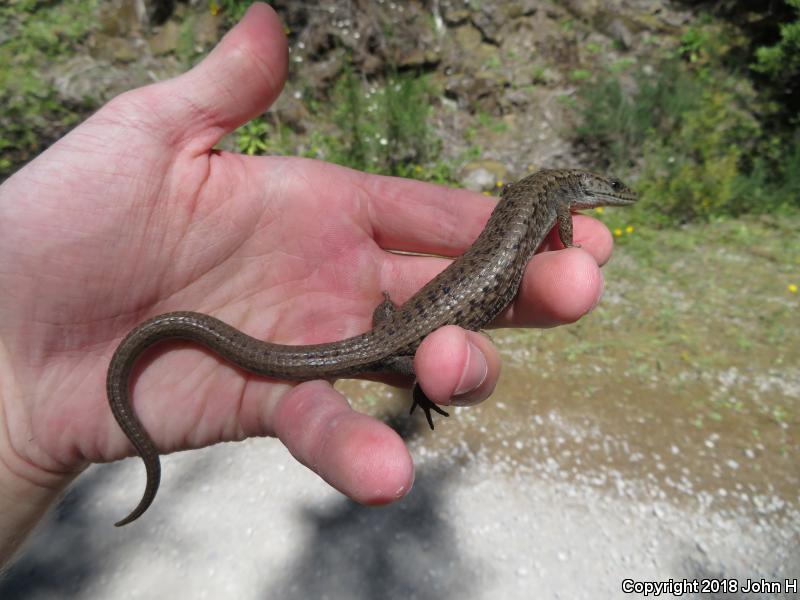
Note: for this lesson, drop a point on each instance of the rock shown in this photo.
(417, 57)
(478, 180)
(165, 40)
(206, 29)
(76, 79)
(467, 37)
(483, 175)
(372, 65)
(291, 110)
(119, 18)
(524, 8)
(474, 91)
(119, 49)
(620, 34)
(588, 10)
(517, 98)
(157, 11)
(84, 78)
(489, 20)
(474, 68)
(323, 72)
(455, 16)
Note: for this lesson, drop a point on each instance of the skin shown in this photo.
(132, 214)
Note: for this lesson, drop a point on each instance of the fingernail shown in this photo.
(473, 376)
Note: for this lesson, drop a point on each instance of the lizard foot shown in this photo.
(421, 400)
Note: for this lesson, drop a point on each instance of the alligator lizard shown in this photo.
(470, 292)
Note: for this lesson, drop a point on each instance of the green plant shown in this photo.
(621, 65)
(579, 75)
(187, 49)
(264, 135)
(487, 121)
(695, 129)
(37, 35)
(406, 110)
(494, 62)
(385, 130)
(781, 61)
(375, 128)
(357, 148)
(593, 47)
(251, 138)
(233, 10)
(540, 74)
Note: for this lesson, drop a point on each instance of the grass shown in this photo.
(375, 127)
(232, 10)
(696, 132)
(689, 310)
(37, 35)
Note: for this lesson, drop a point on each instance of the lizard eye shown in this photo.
(616, 185)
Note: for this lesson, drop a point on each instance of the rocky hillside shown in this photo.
(506, 71)
(459, 91)
(503, 72)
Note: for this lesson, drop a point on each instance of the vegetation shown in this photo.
(387, 129)
(697, 130)
(708, 129)
(781, 61)
(375, 128)
(36, 33)
(232, 10)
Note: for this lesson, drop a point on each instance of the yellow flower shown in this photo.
(629, 229)
(618, 232)
(214, 9)
(792, 288)
(417, 169)
(599, 210)
(499, 184)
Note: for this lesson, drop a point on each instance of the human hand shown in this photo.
(133, 214)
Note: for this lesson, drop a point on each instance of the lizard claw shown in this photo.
(425, 403)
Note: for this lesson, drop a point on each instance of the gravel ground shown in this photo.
(245, 521)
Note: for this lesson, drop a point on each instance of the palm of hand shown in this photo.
(164, 228)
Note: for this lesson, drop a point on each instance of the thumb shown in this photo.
(237, 81)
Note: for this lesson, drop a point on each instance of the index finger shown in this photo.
(414, 216)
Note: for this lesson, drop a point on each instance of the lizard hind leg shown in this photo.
(426, 404)
(404, 365)
(384, 311)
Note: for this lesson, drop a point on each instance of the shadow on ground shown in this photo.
(72, 548)
(60, 560)
(400, 551)
(353, 551)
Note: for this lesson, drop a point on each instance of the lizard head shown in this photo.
(598, 190)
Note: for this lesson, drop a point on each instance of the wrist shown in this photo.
(22, 505)
(26, 491)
